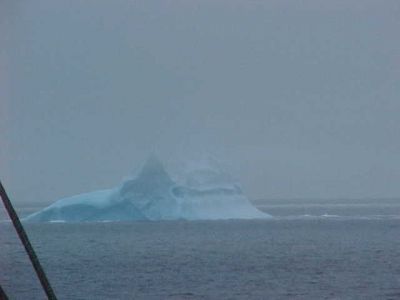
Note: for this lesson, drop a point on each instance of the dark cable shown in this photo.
(28, 247)
(3, 295)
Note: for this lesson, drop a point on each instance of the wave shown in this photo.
(337, 217)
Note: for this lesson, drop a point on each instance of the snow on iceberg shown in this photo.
(206, 194)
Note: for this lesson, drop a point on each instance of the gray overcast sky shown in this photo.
(297, 98)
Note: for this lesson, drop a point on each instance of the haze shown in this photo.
(298, 99)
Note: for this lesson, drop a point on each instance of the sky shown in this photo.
(297, 99)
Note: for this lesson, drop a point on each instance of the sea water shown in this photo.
(319, 249)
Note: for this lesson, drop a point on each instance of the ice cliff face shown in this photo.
(206, 194)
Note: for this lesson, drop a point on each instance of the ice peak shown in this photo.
(153, 170)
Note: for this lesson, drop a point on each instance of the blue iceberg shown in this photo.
(206, 194)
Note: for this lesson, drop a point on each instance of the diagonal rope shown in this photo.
(3, 295)
(28, 247)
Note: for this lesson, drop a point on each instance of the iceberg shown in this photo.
(205, 194)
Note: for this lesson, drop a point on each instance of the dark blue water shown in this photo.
(311, 250)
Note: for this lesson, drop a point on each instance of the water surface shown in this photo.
(311, 250)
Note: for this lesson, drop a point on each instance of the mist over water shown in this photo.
(299, 100)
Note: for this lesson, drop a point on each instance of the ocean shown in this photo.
(311, 249)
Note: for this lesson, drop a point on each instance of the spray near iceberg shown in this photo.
(205, 194)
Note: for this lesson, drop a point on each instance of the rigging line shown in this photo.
(3, 295)
(27, 245)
